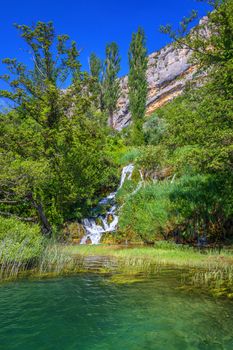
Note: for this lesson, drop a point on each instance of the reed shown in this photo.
(207, 268)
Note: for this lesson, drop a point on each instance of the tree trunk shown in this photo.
(46, 228)
(111, 120)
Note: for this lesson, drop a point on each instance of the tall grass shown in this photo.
(56, 260)
(23, 250)
(209, 269)
(147, 212)
(20, 246)
(25, 253)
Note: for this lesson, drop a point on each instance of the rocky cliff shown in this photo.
(168, 71)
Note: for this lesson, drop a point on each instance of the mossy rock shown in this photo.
(230, 295)
(136, 177)
(109, 219)
(88, 241)
(108, 238)
(126, 279)
(127, 236)
(99, 222)
(73, 232)
(219, 292)
(120, 237)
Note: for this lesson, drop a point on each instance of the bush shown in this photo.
(19, 242)
(191, 208)
(130, 156)
(147, 212)
(154, 129)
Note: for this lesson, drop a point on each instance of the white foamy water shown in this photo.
(95, 227)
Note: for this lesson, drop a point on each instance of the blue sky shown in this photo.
(92, 24)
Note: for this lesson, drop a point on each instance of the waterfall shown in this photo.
(96, 226)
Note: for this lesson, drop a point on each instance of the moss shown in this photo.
(108, 238)
(126, 279)
(72, 232)
(230, 295)
(109, 219)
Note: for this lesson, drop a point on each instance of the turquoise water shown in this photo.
(87, 312)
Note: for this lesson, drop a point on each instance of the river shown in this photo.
(89, 312)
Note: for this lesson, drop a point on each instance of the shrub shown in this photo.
(19, 241)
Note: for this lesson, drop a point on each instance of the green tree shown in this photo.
(52, 142)
(111, 82)
(192, 137)
(211, 41)
(137, 84)
(199, 125)
(96, 86)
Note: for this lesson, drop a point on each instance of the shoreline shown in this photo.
(209, 270)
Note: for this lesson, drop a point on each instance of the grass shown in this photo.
(208, 268)
(203, 268)
(163, 255)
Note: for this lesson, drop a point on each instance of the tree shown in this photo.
(46, 173)
(192, 136)
(111, 82)
(96, 86)
(199, 133)
(200, 122)
(137, 83)
(211, 41)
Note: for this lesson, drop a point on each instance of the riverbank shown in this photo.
(162, 253)
(209, 269)
(206, 268)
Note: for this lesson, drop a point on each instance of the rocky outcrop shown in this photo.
(168, 72)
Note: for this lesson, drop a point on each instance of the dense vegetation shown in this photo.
(189, 145)
(60, 154)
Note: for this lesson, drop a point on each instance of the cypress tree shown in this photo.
(137, 83)
(111, 82)
(96, 88)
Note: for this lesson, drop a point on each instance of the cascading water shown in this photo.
(96, 226)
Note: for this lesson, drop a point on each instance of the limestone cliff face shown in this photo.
(168, 72)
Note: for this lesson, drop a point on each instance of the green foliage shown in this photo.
(53, 144)
(104, 87)
(95, 66)
(192, 138)
(199, 130)
(189, 208)
(130, 155)
(152, 158)
(202, 205)
(137, 84)
(111, 82)
(147, 212)
(19, 242)
(153, 129)
(96, 88)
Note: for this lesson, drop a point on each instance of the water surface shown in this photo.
(87, 312)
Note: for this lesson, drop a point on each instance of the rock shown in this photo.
(168, 72)
(110, 219)
(73, 231)
(108, 238)
(88, 241)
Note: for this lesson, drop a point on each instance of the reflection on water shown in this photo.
(88, 312)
